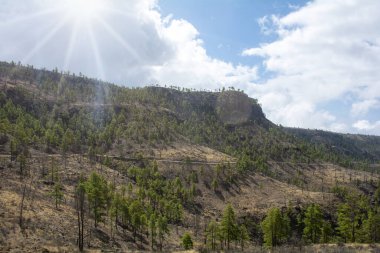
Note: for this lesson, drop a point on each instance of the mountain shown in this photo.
(155, 162)
(364, 146)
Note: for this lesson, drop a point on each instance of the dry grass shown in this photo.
(181, 151)
(54, 230)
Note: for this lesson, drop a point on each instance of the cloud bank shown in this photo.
(326, 52)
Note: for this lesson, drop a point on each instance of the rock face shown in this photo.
(235, 107)
(231, 107)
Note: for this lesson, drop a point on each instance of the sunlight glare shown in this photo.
(84, 10)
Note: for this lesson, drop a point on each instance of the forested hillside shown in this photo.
(364, 146)
(89, 164)
(98, 116)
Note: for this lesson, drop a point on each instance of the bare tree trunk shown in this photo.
(22, 207)
(79, 231)
(80, 198)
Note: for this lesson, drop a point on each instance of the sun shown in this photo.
(84, 10)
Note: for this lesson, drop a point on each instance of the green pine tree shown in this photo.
(186, 241)
(275, 227)
(313, 223)
(243, 236)
(371, 227)
(347, 223)
(326, 232)
(228, 225)
(97, 191)
(162, 229)
(57, 194)
(211, 234)
(152, 230)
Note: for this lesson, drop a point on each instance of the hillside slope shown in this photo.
(228, 121)
(365, 146)
(166, 159)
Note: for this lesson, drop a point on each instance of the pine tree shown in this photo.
(67, 141)
(135, 212)
(275, 227)
(22, 163)
(221, 237)
(57, 194)
(211, 234)
(162, 229)
(116, 207)
(313, 223)
(228, 225)
(347, 223)
(214, 184)
(371, 227)
(178, 213)
(326, 232)
(152, 229)
(80, 208)
(186, 241)
(13, 149)
(376, 196)
(243, 236)
(125, 215)
(97, 190)
(142, 227)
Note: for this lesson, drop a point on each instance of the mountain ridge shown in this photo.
(225, 110)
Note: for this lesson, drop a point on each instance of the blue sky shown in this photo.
(228, 27)
(311, 64)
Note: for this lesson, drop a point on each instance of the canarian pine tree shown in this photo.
(275, 227)
(313, 223)
(97, 194)
(228, 225)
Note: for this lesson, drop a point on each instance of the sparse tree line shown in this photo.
(357, 219)
(145, 206)
(226, 233)
(151, 203)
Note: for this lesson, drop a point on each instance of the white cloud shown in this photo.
(324, 51)
(267, 24)
(363, 107)
(191, 66)
(131, 43)
(338, 127)
(366, 125)
(293, 6)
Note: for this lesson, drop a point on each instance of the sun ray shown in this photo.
(119, 39)
(44, 40)
(70, 47)
(100, 98)
(69, 51)
(30, 16)
(95, 49)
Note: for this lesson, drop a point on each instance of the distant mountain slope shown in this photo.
(364, 146)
